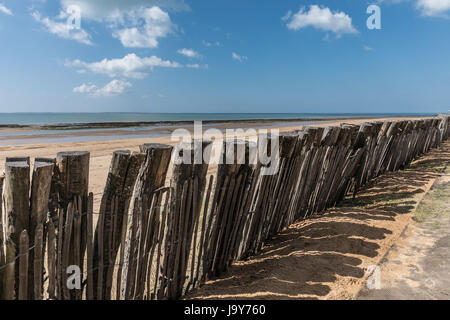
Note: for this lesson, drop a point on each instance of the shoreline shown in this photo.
(131, 124)
(61, 134)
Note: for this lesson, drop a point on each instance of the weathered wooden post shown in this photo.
(73, 167)
(151, 177)
(17, 211)
(233, 176)
(119, 187)
(39, 200)
(23, 265)
(190, 169)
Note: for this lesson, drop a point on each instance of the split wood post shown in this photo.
(17, 212)
(38, 262)
(237, 164)
(39, 200)
(190, 166)
(23, 265)
(73, 169)
(287, 146)
(316, 161)
(122, 175)
(51, 259)
(329, 167)
(299, 172)
(151, 177)
(90, 248)
(55, 187)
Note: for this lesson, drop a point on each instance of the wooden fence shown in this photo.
(157, 240)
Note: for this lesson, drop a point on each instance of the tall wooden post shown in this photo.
(151, 177)
(73, 167)
(17, 211)
(122, 175)
(39, 200)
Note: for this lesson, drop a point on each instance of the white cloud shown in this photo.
(189, 53)
(367, 48)
(63, 29)
(130, 66)
(433, 7)
(5, 10)
(238, 57)
(136, 23)
(114, 10)
(321, 18)
(146, 26)
(114, 88)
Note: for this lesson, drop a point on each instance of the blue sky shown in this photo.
(224, 56)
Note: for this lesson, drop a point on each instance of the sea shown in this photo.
(71, 118)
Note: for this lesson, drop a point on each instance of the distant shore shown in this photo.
(83, 121)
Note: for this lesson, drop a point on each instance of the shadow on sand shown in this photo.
(306, 260)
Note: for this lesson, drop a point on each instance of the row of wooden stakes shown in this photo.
(160, 235)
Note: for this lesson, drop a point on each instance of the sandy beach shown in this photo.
(102, 142)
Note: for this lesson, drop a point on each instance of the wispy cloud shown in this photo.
(211, 44)
(189, 53)
(197, 66)
(238, 57)
(5, 10)
(367, 48)
(130, 66)
(114, 88)
(62, 29)
(321, 18)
